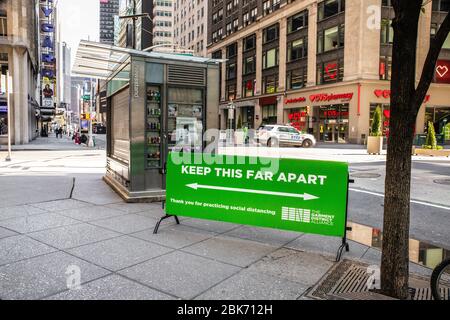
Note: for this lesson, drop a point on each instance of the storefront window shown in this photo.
(385, 68)
(385, 116)
(185, 115)
(269, 114)
(3, 117)
(299, 119)
(440, 117)
(333, 123)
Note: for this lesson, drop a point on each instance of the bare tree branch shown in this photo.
(430, 63)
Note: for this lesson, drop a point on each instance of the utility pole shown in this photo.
(8, 102)
(91, 140)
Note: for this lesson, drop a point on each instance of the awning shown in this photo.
(100, 60)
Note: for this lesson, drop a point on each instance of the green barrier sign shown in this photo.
(290, 194)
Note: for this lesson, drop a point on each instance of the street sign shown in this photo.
(290, 194)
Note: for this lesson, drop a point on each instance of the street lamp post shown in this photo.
(231, 108)
(91, 140)
(8, 102)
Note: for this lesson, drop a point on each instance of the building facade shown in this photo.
(135, 33)
(108, 10)
(322, 66)
(190, 25)
(163, 24)
(19, 39)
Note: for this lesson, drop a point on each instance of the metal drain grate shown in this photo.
(347, 280)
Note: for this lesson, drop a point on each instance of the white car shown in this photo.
(283, 135)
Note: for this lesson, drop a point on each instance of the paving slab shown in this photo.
(264, 235)
(254, 285)
(42, 276)
(19, 211)
(98, 198)
(373, 256)
(119, 253)
(112, 287)
(37, 222)
(59, 205)
(73, 236)
(135, 207)
(326, 245)
(210, 225)
(235, 251)
(21, 247)
(129, 223)
(177, 236)
(301, 267)
(180, 274)
(4, 233)
(91, 213)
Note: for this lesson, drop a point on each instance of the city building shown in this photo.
(63, 74)
(163, 24)
(19, 47)
(190, 25)
(137, 32)
(322, 66)
(108, 10)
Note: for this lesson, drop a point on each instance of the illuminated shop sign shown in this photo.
(295, 100)
(442, 71)
(330, 97)
(387, 95)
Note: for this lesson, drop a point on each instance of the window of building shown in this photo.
(270, 58)
(250, 42)
(331, 71)
(249, 65)
(387, 32)
(248, 88)
(441, 5)
(329, 8)
(253, 14)
(231, 91)
(269, 114)
(232, 50)
(271, 33)
(330, 39)
(297, 49)
(298, 21)
(270, 84)
(385, 68)
(231, 71)
(296, 79)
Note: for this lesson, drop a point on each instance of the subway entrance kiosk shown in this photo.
(156, 102)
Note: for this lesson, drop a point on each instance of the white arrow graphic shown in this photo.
(304, 196)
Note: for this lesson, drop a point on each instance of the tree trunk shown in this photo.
(395, 255)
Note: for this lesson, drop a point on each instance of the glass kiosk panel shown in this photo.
(153, 128)
(185, 119)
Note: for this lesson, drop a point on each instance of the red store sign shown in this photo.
(295, 100)
(330, 97)
(442, 71)
(387, 94)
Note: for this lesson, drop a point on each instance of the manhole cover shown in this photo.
(443, 181)
(365, 175)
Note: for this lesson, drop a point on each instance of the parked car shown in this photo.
(284, 135)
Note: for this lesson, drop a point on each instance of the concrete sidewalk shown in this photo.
(52, 143)
(83, 226)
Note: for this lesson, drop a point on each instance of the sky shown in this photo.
(79, 19)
